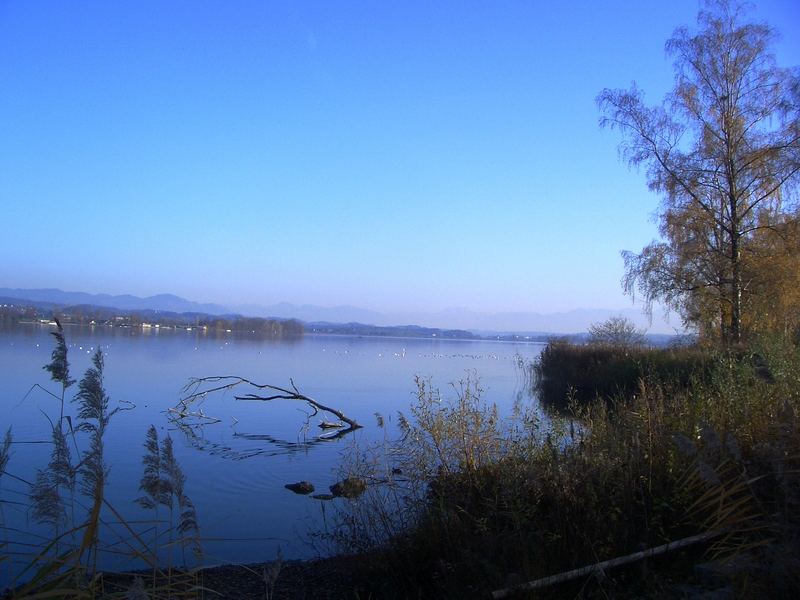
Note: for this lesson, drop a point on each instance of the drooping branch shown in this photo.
(195, 390)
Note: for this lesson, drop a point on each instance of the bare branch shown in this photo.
(195, 390)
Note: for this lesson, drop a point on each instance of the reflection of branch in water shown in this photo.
(199, 414)
(183, 410)
(189, 418)
(199, 388)
(320, 439)
(275, 446)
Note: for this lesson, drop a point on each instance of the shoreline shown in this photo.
(332, 577)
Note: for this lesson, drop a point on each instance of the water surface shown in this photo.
(235, 469)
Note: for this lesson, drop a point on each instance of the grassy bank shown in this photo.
(476, 503)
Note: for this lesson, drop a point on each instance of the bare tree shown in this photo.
(723, 151)
(616, 331)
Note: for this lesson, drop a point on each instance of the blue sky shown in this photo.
(391, 155)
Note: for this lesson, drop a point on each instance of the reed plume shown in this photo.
(94, 417)
(58, 367)
(5, 451)
(163, 483)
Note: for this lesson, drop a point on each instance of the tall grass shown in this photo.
(66, 565)
(52, 483)
(5, 456)
(58, 367)
(566, 371)
(483, 502)
(163, 484)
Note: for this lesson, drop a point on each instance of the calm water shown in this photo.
(235, 469)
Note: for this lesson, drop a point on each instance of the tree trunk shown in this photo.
(736, 284)
(736, 312)
(723, 319)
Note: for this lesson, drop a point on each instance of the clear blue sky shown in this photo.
(393, 155)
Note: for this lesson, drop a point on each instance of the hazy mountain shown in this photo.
(165, 302)
(309, 312)
(572, 321)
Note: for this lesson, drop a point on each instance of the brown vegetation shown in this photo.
(484, 503)
(723, 150)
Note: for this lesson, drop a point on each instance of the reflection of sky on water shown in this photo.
(236, 468)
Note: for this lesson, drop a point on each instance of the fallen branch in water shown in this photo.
(183, 413)
(195, 390)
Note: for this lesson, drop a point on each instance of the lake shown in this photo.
(235, 469)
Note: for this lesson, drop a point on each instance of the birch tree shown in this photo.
(722, 151)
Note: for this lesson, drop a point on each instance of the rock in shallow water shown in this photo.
(351, 487)
(301, 487)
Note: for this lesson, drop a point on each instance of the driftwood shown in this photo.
(606, 564)
(273, 392)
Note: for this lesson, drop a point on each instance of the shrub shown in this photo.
(616, 331)
(718, 454)
(566, 371)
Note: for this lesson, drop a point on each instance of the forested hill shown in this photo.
(14, 310)
(389, 331)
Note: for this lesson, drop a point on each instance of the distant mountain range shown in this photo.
(572, 321)
(166, 302)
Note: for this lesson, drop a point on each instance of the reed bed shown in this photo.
(68, 496)
(472, 503)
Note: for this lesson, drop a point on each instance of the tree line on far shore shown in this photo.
(11, 314)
